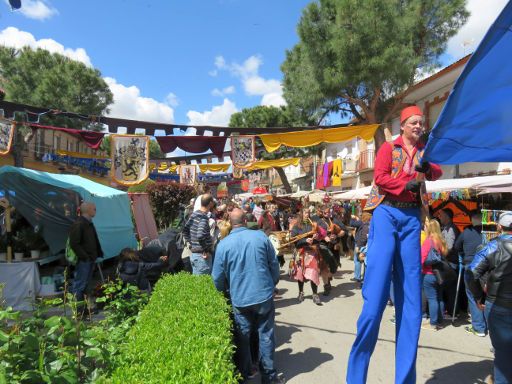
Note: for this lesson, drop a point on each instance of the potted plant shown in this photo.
(33, 242)
(19, 246)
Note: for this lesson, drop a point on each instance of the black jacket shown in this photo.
(496, 259)
(83, 239)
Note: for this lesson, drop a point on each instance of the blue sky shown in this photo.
(190, 62)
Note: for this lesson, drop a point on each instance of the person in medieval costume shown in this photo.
(308, 262)
(394, 250)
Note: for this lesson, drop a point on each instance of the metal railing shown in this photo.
(366, 160)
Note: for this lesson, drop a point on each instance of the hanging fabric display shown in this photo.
(243, 150)
(130, 159)
(214, 167)
(327, 174)
(319, 176)
(6, 135)
(337, 170)
(238, 173)
(244, 185)
(187, 174)
(266, 164)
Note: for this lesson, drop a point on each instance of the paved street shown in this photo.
(313, 342)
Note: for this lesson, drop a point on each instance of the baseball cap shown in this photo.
(505, 219)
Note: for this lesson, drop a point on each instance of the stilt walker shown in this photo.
(394, 251)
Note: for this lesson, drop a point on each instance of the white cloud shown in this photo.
(172, 100)
(483, 14)
(224, 91)
(271, 90)
(219, 115)
(37, 9)
(129, 104)
(13, 37)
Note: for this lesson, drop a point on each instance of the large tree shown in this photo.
(358, 57)
(269, 116)
(41, 78)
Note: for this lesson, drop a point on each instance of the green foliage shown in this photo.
(40, 78)
(166, 199)
(142, 187)
(154, 149)
(49, 348)
(183, 336)
(354, 56)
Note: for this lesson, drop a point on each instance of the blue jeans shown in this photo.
(357, 266)
(435, 301)
(83, 274)
(499, 321)
(477, 316)
(200, 265)
(393, 254)
(258, 317)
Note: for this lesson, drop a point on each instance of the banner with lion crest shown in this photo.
(130, 159)
(6, 136)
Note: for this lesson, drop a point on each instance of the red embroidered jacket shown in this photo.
(394, 187)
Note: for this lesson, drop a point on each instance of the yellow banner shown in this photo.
(301, 139)
(219, 167)
(80, 155)
(264, 164)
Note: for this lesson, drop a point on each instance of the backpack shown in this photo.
(70, 255)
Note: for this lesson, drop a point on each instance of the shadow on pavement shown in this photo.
(283, 334)
(340, 290)
(466, 372)
(293, 364)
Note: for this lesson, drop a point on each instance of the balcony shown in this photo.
(366, 160)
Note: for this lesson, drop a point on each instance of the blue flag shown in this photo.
(476, 121)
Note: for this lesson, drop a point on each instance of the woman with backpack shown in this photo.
(434, 243)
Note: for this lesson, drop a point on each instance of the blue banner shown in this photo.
(476, 121)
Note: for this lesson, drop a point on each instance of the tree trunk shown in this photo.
(17, 147)
(284, 179)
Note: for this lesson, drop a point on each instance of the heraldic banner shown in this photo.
(130, 159)
(243, 150)
(188, 174)
(6, 135)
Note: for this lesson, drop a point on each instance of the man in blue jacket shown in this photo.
(246, 266)
(495, 261)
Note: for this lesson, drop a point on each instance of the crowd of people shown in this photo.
(395, 261)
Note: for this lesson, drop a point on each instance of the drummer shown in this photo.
(307, 262)
(329, 245)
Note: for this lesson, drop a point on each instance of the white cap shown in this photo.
(505, 219)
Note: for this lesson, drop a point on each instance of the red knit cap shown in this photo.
(410, 111)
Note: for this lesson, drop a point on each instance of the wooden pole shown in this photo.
(8, 209)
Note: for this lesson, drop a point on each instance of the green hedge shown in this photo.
(183, 336)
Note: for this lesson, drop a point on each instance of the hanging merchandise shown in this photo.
(243, 150)
(222, 190)
(337, 170)
(6, 135)
(130, 159)
(238, 173)
(188, 174)
(319, 176)
(327, 175)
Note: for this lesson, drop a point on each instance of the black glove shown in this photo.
(413, 186)
(424, 167)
